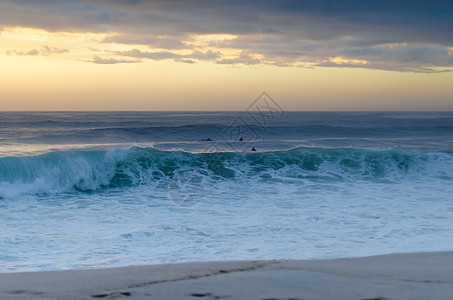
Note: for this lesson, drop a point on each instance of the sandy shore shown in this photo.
(396, 276)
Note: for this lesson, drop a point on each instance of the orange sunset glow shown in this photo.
(156, 56)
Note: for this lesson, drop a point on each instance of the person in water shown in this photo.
(241, 139)
(253, 149)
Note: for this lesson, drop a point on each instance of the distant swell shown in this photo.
(87, 171)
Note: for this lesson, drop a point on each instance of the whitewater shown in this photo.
(103, 189)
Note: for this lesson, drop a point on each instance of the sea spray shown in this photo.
(83, 171)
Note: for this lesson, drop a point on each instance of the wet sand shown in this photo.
(394, 276)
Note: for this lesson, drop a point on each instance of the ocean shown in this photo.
(85, 190)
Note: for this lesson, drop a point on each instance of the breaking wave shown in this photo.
(92, 171)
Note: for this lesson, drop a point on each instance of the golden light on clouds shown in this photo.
(209, 39)
(40, 44)
(342, 60)
(139, 57)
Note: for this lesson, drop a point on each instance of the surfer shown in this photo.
(253, 149)
(241, 139)
(206, 140)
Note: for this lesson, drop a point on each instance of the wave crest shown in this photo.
(84, 171)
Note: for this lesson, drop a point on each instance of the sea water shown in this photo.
(105, 189)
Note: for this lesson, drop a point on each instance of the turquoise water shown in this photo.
(90, 190)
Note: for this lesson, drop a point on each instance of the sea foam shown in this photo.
(88, 171)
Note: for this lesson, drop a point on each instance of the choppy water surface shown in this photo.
(90, 190)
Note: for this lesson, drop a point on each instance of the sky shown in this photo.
(222, 54)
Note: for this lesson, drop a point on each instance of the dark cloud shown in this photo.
(151, 41)
(209, 55)
(165, 55)
(286, 33)
(136, 53)
(385, 67)
(43, 51)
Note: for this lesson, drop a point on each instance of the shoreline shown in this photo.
(426, 275)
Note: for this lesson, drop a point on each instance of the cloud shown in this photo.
(136, 53)
(397, 57)
(43, 51)
(166, 55)
(150, 41)
(284, 33)
(111, 61)
(186, 61)
(384, 67)
(243, 58)
(208, 55)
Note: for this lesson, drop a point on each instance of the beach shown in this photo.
(105, 205)
(268, 150)
(396, 276)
